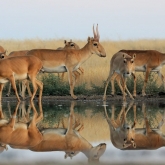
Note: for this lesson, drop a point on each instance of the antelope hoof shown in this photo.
(20, 95)
(7, 95)
(75, 98)
(134, 97)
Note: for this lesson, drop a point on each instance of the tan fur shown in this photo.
(59, 61)
(124, 65)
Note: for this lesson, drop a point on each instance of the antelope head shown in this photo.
(95, 153)
(95, 46)
(2, 55)
(129, 136)
(128, 64)
(71, 154)
(71, 45)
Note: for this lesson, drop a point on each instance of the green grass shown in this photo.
(53, 86)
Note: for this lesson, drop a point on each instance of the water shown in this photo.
(91, 118)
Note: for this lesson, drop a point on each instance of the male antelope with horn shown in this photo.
(146, 61)
(123, 64)
(68, 140)
(59, 61)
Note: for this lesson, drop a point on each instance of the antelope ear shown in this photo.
(89, 39)
(123, 55)
(65, 42)
(134, 55)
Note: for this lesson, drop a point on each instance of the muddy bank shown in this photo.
(93, 97)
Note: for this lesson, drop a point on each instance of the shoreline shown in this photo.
(90, 98)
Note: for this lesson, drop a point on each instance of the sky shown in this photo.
(73, 19)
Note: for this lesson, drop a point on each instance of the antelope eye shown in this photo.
(132, 61)
(72, 45)
(95, 44)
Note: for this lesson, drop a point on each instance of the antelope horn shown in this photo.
(94, 33)
(70, 40)
(98, 35)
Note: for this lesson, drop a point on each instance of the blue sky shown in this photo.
(49, 19)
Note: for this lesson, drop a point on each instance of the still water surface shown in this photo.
(135, 127)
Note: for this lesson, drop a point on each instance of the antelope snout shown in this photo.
(103, 55)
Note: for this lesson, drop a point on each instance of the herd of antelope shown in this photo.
(24, 134)
(24, 65)
(27, 134)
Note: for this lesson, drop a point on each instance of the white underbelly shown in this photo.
(140, 68)
(3, 80)
(20, 76)
(59, 69)
(157, 69)
(143, 68)
(3, 121)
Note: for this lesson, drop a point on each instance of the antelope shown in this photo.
(146, 61)
(141, 138)
(20, 68)
(2, 52)
(15, 54)
(68, 45)
(71, 45)
(20, 135)
(59, 61)
(149, 138)
(68, 140)
(123, 64)
(122, 134)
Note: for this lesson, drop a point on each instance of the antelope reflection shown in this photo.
(22, 135)
(68, 140)
(127, 137)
